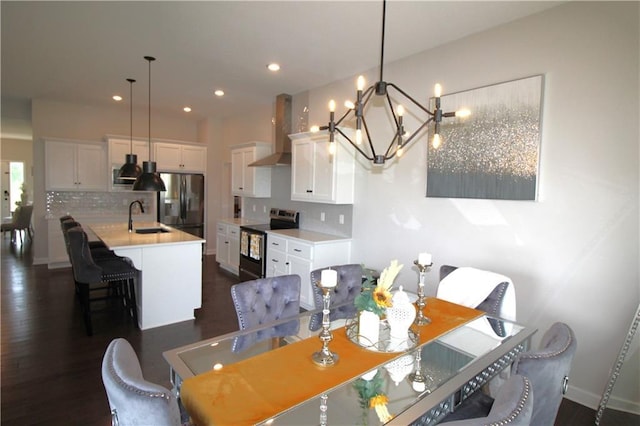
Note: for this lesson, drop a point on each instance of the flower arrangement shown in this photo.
(376, 298)
(371, 395)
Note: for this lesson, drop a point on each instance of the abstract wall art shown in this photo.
(494, 152)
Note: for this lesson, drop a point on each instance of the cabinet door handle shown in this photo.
(275, 244)
(287, 263)
(298, 250)
(274, 260)
(309, 191)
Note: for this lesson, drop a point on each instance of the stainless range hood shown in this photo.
(282, 156)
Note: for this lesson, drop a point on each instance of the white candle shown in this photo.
(424, 259)
(329, 278)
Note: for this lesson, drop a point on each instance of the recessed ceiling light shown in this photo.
(117, 98)
(219, 92)
(186, 109)
(273, 67)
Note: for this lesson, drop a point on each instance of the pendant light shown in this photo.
(130, 170)
(149, 180)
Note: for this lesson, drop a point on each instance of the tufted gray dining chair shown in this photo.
(349, 286)
(547, 368)
(264, 301)
(513, 406)
(133, 400)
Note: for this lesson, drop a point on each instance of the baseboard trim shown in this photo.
(591, 400)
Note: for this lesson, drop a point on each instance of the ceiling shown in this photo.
(83, 52)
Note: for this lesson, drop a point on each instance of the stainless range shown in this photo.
(253, 242)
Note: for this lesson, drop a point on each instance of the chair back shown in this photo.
(84, 268)
(349, 286)
(492, 305)
(513, 406)
(23, 216)
(263, 301)
(548, 369)
(132, 399)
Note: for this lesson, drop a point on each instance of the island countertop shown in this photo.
(117, 236)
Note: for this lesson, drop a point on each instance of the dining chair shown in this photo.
(487, 291)
(21, 223)
(132, 399)
(263, 301)
(113, 278)
(349, 286)
(513, 406)
(548, 369)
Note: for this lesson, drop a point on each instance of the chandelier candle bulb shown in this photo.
(360, 83)
(437, 90)
(424, 259)
(329, 278)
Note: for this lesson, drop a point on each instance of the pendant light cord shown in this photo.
(131, 81)
(150, 59)
(384, 14)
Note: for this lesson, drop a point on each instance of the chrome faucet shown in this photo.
(130, 207)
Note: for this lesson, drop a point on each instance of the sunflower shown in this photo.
(379, 403)
(382, 297)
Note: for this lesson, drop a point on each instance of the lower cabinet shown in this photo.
(288, 255)
(228, 246)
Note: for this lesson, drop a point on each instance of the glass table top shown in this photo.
(435, 364)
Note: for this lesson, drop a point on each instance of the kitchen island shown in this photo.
(169, 287)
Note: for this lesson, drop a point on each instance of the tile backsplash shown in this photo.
(96, 203)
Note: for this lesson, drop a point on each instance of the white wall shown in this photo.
(573, 254)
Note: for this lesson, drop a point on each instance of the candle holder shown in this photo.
(417, 379)
(420, 318)
(324, 357)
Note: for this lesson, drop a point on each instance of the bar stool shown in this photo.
(98, 248)
(115, 275)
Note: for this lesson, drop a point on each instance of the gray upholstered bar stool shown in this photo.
(98, 248)
(114, 276)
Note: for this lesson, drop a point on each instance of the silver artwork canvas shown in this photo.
(494, 152)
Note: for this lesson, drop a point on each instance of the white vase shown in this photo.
(400, 316)
(368, 329)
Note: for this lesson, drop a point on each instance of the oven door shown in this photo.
(252, 251)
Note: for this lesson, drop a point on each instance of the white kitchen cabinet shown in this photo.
(248, 181)
(293, 255)
(319, 176)
(75, 166)
(171, 157)
(228, 246)
(120, 147)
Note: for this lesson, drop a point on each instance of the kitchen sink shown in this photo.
(151, 230)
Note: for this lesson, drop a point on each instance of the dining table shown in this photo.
(240, 378)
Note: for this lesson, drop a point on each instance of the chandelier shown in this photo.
(401, 138)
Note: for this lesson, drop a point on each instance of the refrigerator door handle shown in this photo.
(183, 198)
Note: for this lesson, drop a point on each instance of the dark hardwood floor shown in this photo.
(51, 369)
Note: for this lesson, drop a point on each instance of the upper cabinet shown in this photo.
(171, 157)
(250, 181)
(120, 147)
(319, 176)
(76, 166)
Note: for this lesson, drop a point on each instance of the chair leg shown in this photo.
(133, 306)
(86, 308)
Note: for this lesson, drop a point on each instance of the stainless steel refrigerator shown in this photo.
(182, 204)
